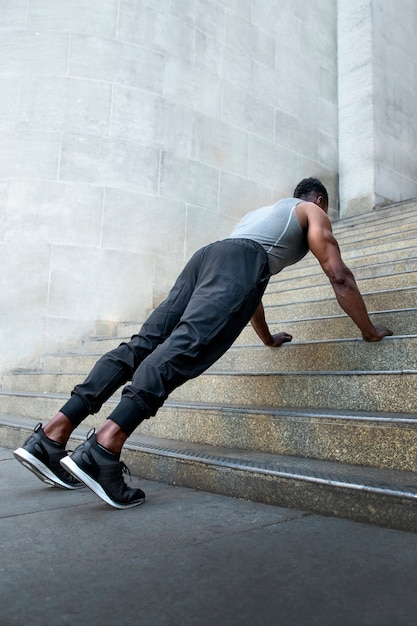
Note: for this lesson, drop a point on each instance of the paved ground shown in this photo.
(187, 558)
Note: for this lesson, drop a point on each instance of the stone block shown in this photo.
(392, 185)
(328, 85)
(133, 115)
(22, 338)
(9, 89)
(97, 17)
(271, 164)
(144, 26)
(239, 195)
(189, 181)
(143, 224)
(241, 109)
(24, 52)
(51, 212)
(161, 124)
(220, 145)
(13, 15)
(328, 116)
(279, 19)
(242, 7)
(101, 284)
(109, 162)
(327, 148)
(24, 287)
(208, 16)
(63, 333)
(317, 46)
(188, 85)
(209, 53)
(31, 155)
(64, 104)
(291, 130)
(132, 13)
(166, 270)
(4, 192)
(204, 227)
(247, 39)
(235, 68)
(116, 61)
(275, 88)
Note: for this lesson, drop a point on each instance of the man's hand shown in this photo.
(277, 340)
(380, 333)
(261, 328)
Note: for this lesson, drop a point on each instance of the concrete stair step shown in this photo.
(323, 424)
(377, 496)
(403, 300)
(301, 292)
(370, 271)
(372, 390)
(355, 257)
(337, 354)
(354, 354)
(356, 237)
(403, 321)
(379, 219)
(367, 438)
(396, 298)
(393, 390)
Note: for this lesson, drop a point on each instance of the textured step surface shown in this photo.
(382, 497)
(353, 354)
(325, 424)
(393, 390)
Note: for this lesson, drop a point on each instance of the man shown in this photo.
(215, 296)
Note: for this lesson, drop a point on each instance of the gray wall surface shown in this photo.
(377, 85)
(135, 131)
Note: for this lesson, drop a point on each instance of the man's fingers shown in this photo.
(380, 333)
(280, 338)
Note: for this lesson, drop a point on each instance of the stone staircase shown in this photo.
(326, 424)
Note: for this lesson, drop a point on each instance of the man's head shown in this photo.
(312, 190)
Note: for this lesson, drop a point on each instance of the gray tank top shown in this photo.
(278, 230)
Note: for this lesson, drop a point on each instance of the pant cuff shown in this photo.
(127, 415)
(75, 410)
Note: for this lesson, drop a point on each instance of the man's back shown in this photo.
(278, 230)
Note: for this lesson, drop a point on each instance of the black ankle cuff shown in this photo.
(56, 444)
(75, 410)
(104, 452)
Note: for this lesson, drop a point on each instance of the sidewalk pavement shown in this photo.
(189, 558)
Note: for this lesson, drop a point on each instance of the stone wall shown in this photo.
(135, 131)
(377, 75)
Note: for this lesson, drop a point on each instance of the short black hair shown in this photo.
(307, 186)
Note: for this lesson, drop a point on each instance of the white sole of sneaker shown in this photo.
(89, 482)
(40, 470)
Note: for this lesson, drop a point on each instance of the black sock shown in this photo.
(56, 444)
(114, 456)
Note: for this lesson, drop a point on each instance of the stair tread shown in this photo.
(252, 373)
(359, 415)
(350, 476)
(395, 483)
(355, 458)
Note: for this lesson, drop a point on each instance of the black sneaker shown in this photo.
(42, 456)
(102, 471)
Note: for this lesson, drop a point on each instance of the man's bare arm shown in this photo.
(324, 246)
(260, 326)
